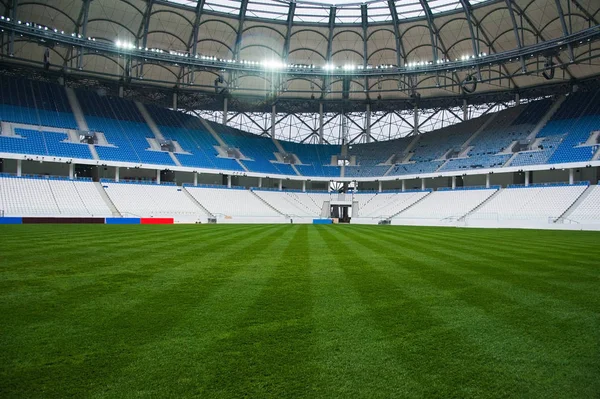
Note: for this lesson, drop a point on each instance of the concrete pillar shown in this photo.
(329, 187)
(303, 186)
(71, 171)
(368, 123)
(175, 100)
(19, 167)
(225, 111)
(487, 181)
(158, 177)
(260, 182)
(117, 174)
(280, 184)
(422, 184)
(381, 185)
(517, 99)
(120, 91)
(273, 119)
(465, 110)
(403, 185)
(571, 176)
(195, 179)
(527, 178)
(228, 181)
(453, 182)
(320, 123)
(416, 121)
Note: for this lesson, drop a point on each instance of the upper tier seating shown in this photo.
(50, 197)
(529, 203)
(34, 103)
(130, 139)
(441, 205)
(150, 200)
(124, 128)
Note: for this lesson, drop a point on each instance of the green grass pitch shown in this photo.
(289, 311)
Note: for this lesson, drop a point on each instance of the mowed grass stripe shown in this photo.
(298, 311)
(138, 310)
(427, 346)
(536, 335)
(534, 276)
(354, 357)
(187, 349)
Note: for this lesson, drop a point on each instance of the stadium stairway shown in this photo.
(575, 204)
(149, 121)
(410, 206)
(213, 133)
(77, 112)
(196, 202)
(542, 122)
(107, 200)
(282, 151)
(266, 203)
(488, 199)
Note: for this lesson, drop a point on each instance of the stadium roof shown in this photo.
(409, 38)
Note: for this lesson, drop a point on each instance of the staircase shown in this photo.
(597, 155)
(410, 206)
(542, 122)
(149, 121)
(93, 151)
(76, 108)
(195, 201)
(488, 199)
(213, 132)
(267, 204)
(174, 158)
(107, 200)
(575, 204)
(242, 165)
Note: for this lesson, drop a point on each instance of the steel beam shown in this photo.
(288, 34)
(433, 35)
(585, 12)
(240, 31)
(13, 16)
(85, 11)
(511, 12)
(400, 55)
(144, 28)
(565, 30)
(474, 42)
(365, 27)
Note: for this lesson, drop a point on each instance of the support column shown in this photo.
(117, 174)
(571, 176)
(195, 179)
(71, 171)
(120, 91)
(225, 111)
(416, 121)
(487, 181)
(368, 123)
(381, 185)
(453, 182)
(403, 185)
(158, 177)
(527, 179)
(19, 167)
(228, 181)
(517, 99)
(329, 187)
(465, 110)
(273, 119)
(320, 123)
(422, 184)
(280, 184)
(303, 186)
(259, 182)
(175, 100)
